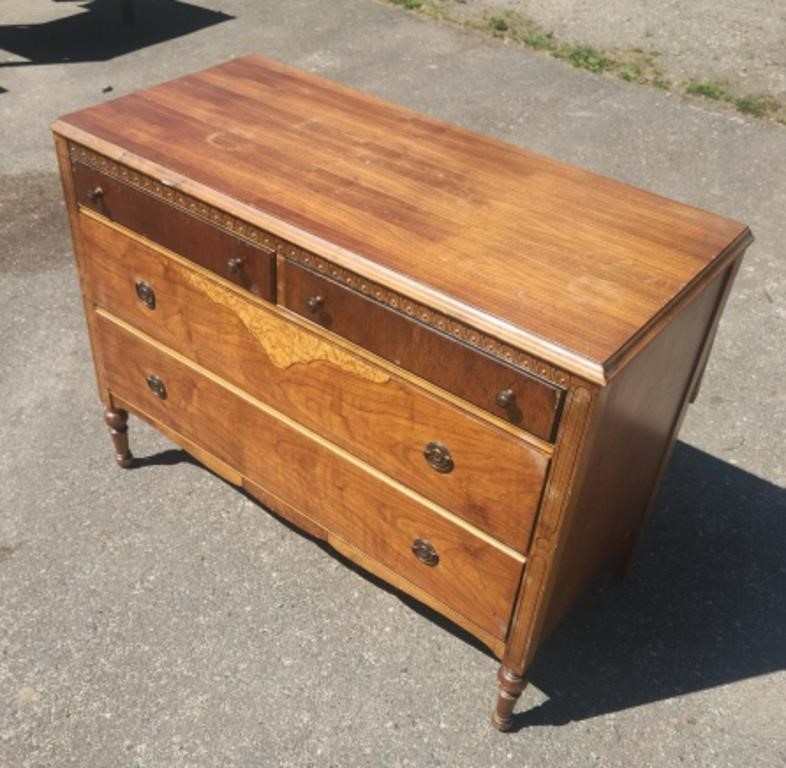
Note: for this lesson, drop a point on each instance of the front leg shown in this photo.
(510, 687)
(117, 421)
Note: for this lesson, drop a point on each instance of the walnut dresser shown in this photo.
(460, 363)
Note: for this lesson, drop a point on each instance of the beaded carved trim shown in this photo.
(174, 197)
(427, 316)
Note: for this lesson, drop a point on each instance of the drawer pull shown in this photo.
(314, 303)
(424, 551)
(438, 457)
(94, 194)
(234, 265)
(505, 398)
(156, 386)
(146, 294)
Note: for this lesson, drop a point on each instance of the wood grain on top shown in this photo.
(581, 261)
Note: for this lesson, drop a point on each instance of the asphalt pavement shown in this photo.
(157, 617)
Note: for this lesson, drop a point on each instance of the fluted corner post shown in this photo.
(117, 421)
(510, 687)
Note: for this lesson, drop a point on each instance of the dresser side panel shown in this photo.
(638, 426)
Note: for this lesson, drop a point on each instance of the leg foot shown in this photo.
(510, 687)
(117, 421)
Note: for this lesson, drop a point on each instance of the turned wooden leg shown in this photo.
(117, 421)
(510, 687)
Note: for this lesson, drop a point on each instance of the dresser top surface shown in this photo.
(578, 261)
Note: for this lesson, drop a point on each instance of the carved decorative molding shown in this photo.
(426, 315)
(379, 293)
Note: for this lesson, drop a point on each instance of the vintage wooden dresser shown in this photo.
(461, 364)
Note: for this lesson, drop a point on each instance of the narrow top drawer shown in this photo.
(500, 389)
(221, 252)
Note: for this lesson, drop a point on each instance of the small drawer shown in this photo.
(475, 577)
(489, 477)
(247, 265)
(500, 389)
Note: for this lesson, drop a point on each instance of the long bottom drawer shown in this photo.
(470, 573)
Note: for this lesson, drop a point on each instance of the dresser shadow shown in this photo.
(166, 458)
(102, 31)
(703, 605)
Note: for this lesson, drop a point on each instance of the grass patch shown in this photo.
(498, 24)
(758, 106)
(710, 89)
(631, 73)
(538, 41)
(748, 104)
(410, 5)
(586, 57)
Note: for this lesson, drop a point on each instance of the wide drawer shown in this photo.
(494, 386)
(494, 479)
(245, 264)
(470, 574)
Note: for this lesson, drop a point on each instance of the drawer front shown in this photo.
(468, 573)
(495, 480)
(246, 265)
(500, 389)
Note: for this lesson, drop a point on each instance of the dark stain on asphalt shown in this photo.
(6, 550)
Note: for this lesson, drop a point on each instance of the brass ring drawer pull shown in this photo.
(157, 387)
(424, 551)
(146, 294)
(234, 265)
(505, 398)
(94, 194)
(314, 303)
(438, 456)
